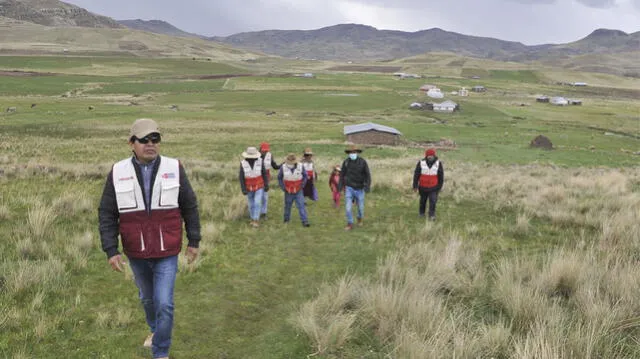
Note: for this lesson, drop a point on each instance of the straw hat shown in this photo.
(337, 168)
(353, 148)
(251, 152)
(307, 151)
(291, 159)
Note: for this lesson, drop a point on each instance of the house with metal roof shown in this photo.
(447, 106)
(372, 134)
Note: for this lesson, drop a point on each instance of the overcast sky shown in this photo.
(528, 21)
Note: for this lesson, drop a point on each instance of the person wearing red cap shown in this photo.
(428, 179)
(269, 163)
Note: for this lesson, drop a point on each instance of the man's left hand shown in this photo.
(192, 254)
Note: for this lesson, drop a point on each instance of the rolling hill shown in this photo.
(53, 13)
(358, 42)
(157, 26)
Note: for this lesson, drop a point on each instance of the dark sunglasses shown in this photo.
(154, 138)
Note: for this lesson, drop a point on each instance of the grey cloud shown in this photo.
(534, 2)
(515, 20)
(602, 4)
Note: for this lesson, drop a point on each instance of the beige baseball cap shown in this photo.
(143, 127)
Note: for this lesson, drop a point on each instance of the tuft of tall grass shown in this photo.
(328, 320)
(5, 212)
(40, 220)
(235, 208)
(45, 275)
(71, 204)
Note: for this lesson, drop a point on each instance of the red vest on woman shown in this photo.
(253, 180)
(292, 179)
(155, 232)
(308, 167)
(429, 176)
(267, 164)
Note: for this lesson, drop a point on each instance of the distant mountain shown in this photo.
(360, 42)
(354, 42)
(53, 13)
(158, 27)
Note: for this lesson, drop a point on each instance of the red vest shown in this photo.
(267, 164)
(253, 180)
(149, 234)
(292, 179)
(308, 167)
(429, 176)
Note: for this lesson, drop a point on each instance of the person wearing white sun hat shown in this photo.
(253, 182)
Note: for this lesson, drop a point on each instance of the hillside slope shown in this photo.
(53, 13)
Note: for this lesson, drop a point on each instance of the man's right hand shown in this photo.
(117, 263)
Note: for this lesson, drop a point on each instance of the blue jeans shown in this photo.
(155, 278)
(265, 202)
(351, 194)
(289, 198)
(254, 200)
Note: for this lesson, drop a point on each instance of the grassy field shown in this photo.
(533, 255)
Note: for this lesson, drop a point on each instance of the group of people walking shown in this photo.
(147, 198)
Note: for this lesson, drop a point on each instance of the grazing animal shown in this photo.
(11, 109)
(33, 105)
(91, 108)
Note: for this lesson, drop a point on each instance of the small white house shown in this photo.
(447, 106)
(435, 93)
(463, 92)
(559, 101)
(580, 84)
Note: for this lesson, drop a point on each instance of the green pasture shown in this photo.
(239, 300)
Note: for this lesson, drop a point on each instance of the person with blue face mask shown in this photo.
(355, 179)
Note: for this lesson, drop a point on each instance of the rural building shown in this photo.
(416, 106)
(479, 88)
(447, 106)
(435, 93)
(580, 84)
(403, 75)
(543, 99)
(428, 87)
(372, 134)
(559, 101)
(575, 102)
(463, 92)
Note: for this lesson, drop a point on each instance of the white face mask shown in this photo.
(353, 156)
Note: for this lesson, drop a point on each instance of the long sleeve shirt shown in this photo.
(418, 172)
(355, 174)
(108, 215)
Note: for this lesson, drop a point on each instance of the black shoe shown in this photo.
(285, 221)
(421, 215)
(305, 224)
(263, 215)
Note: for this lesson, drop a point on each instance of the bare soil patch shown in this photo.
(225, 76)
(24, 73)
(358, 68)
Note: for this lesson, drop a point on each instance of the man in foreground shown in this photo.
(145, 200)
(355, 179)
